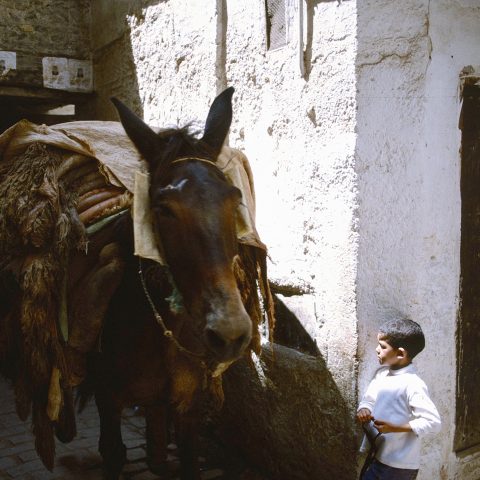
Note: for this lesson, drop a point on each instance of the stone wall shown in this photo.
(288, 417)
(46, 28)
(42, 29)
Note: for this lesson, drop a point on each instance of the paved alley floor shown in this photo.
(80, 459)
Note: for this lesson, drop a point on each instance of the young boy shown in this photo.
(398, 403)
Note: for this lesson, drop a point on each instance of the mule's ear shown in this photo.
(144, 138)
(218, 120)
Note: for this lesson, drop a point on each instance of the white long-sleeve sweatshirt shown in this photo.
(399, 397)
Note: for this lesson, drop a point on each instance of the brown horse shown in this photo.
(169, 332)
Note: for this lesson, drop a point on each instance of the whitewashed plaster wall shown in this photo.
(410, 54)
(299, 137)
(174, 51)
(157, 56)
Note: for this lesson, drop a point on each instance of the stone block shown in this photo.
(288, 408)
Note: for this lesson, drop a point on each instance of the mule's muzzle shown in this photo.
(227, 338)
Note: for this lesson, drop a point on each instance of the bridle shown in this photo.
(166, 332)
(209, 373)
(199, 159)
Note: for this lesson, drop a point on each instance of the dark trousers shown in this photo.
(379, 471)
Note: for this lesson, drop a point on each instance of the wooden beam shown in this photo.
(41, 95)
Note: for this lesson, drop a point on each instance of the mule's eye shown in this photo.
(164, 210)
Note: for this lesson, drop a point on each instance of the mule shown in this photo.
(170, 332)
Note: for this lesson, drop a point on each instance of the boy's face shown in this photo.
(388, 355)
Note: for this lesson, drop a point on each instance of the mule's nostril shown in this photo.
(241, 340)
(215, 341)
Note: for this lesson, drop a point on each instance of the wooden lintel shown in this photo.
(44, 94)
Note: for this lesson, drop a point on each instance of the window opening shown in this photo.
(276, 24)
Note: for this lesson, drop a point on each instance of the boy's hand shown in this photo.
(364, 415)
(387, 427)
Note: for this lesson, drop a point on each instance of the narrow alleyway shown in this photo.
(80, 458)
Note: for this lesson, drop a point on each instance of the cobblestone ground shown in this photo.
(80, 460)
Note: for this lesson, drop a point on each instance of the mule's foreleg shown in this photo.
(156, 420)
(187, 400)
(186, 432)
(110, 446)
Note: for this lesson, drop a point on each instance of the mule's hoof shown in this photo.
(113, 460)
(65, 433)
(165, 470)
(110, 475)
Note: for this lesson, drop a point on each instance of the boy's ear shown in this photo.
(401, 352)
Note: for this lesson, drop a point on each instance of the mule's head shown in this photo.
(194, 209)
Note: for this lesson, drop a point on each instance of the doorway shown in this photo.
(467, 433)
(46, 107)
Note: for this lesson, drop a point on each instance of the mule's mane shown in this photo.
(183, 141)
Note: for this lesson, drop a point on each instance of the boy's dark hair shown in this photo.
(404, 333)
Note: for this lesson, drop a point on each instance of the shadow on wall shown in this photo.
(290, 332)
(113, 60)
(308, 24)
(284, 412)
